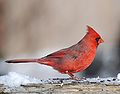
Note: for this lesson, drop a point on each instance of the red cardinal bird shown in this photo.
(73, 59)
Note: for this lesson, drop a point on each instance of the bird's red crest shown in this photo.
(94, 34)
(91, 30)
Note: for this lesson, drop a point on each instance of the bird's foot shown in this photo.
(75, 78)
(78, 79)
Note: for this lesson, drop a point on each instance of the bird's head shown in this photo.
(94, 36)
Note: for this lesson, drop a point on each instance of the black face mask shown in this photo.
(97, 39)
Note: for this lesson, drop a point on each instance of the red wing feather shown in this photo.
(58, 54)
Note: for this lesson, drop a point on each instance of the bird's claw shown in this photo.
(78, 79)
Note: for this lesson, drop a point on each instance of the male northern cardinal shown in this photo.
(73, 59)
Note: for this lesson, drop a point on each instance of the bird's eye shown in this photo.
(97, 39)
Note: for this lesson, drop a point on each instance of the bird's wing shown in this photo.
(57, 57)
(58, 54)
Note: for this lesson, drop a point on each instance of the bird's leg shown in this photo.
(74, 77)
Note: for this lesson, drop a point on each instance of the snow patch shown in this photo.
(118, 76)
(13, 79)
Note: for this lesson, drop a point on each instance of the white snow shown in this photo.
(13, 79)
(118, 76)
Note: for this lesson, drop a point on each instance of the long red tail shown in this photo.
(41, 61)
(21, 60)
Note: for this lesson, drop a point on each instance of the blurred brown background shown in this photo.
(35, 28)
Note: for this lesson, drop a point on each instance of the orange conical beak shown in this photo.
(100, 40)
